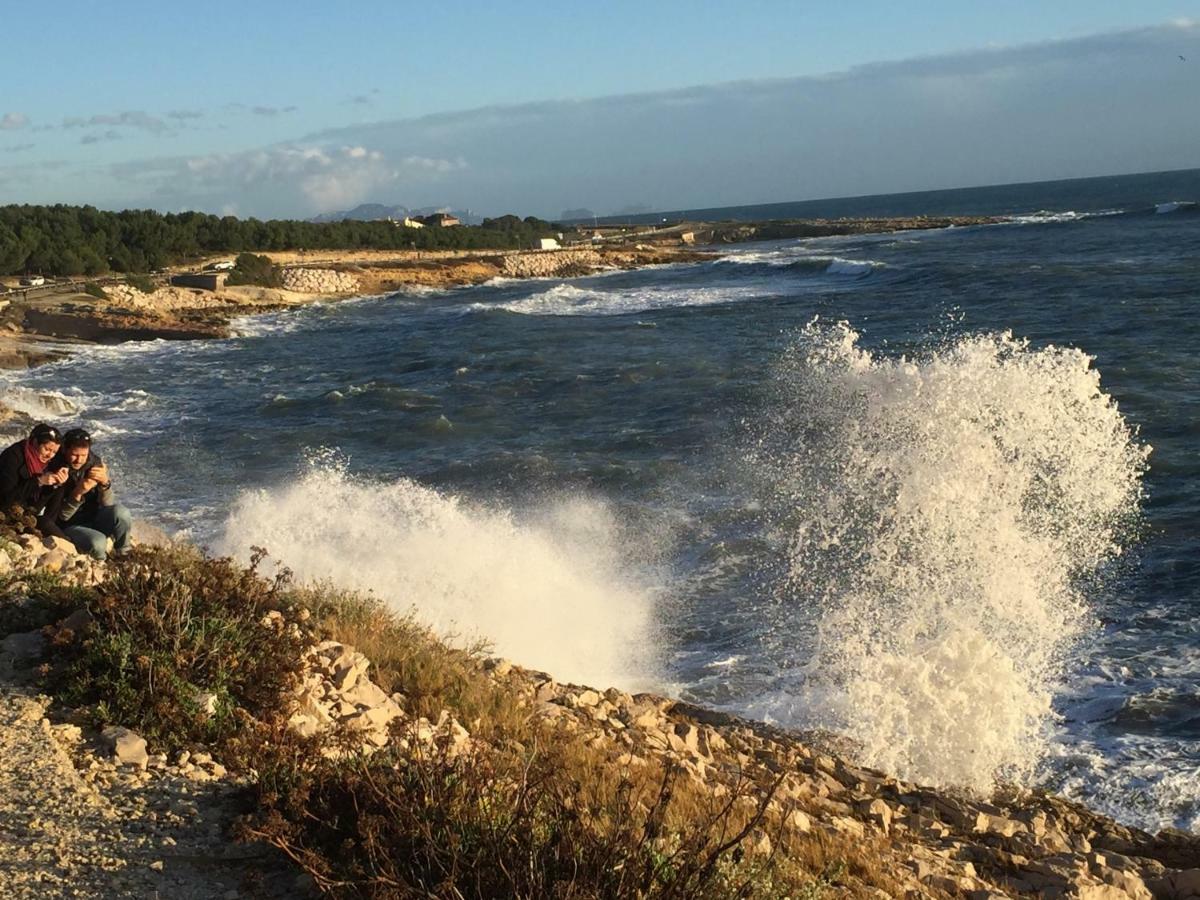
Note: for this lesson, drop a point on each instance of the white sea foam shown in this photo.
(570, 300)
(1045, 216)
(854, 267)
(551, 589)
(48, 405)
(1174, 206)
(943, 512)
(789, 258)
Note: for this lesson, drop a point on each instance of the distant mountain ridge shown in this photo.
(370, 212)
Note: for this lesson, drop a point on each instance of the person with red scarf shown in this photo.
(25, 479)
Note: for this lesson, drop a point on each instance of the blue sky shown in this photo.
(290, 109)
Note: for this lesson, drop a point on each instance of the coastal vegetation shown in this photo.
(65, 240)
(251, 268)
(192, 651)
(428, 769)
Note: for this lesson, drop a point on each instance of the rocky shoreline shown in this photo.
(99, 813)
(42, 328)
(33, 331)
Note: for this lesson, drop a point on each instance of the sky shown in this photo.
(291, 109)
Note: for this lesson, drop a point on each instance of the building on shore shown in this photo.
(207, 281)
(440, 220)
(548, 244)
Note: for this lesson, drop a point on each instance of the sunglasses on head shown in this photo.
(77, 437)
(46, 434)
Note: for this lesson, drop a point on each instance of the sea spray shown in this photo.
(944, 516)
(549, 589)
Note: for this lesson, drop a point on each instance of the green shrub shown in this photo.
(169, 626)
(253, 269)
(95, 290)
(143, 283)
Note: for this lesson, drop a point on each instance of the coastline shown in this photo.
(1010, 844)
(37, 330)
(777, 797)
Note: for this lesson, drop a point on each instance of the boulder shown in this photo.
(23, 648)
(128, 747)
(53, 561)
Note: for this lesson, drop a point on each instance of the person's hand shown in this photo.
(98, 475)
(53, 479)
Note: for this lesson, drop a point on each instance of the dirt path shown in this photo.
(74, 825)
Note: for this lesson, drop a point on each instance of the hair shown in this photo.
(76, 437)
(45, 434)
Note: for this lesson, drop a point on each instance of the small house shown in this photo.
(548, 244)
(440, 220)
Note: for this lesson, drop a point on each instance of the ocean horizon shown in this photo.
(1085, 194)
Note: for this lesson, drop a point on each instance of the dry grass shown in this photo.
(533, 810)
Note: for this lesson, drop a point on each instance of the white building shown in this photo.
(548, 244)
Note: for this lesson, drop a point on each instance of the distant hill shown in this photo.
(371, 212)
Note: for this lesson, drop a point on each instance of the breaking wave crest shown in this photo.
(550, 589)
(944, 514)
(42, 404)
(570, 300)
(805, 264)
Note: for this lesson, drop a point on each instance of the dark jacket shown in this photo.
(63, 508)
(19, 487)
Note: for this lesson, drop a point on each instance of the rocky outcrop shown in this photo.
(319, 281)
(335, 694)
(550, 263)
(1012, 844)
(28, 553)
(164, 299)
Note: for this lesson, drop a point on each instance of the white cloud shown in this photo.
(12, 121)
(300, 179)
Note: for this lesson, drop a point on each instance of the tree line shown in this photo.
(82, 240)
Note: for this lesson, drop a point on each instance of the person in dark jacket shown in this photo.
(85, 508)
(28, 476)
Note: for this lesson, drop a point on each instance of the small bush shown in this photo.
(94, 290)
(171, 625)
(16, 520)
(258, 270)
(143, 283)
(516, 824)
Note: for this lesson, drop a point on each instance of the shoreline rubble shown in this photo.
(937, 843)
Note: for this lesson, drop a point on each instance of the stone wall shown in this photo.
(319, 281)
(548, 263)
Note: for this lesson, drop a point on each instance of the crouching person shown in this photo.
(88, 512)
(29, 479)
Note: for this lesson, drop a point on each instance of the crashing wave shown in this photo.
(943, 513)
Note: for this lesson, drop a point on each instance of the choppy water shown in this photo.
(938, 526)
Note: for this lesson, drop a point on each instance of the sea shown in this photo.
(937, 491)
